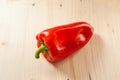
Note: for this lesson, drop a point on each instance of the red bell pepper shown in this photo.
(59, 42)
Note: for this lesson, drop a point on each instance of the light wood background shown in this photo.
(21, 20)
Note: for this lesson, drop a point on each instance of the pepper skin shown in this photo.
(59, 42)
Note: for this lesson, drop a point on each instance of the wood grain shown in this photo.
(21, 20)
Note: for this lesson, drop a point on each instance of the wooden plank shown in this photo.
(21, 20)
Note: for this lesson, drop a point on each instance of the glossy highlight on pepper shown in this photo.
(59, 42)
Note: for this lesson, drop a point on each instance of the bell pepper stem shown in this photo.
(42, 48)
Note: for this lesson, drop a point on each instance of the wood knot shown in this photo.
(68, 79)
(3, 43)
(33, 4)
(61, 5)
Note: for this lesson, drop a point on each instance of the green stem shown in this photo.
(43, 47)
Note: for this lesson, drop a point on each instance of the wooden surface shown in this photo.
(21, 20)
